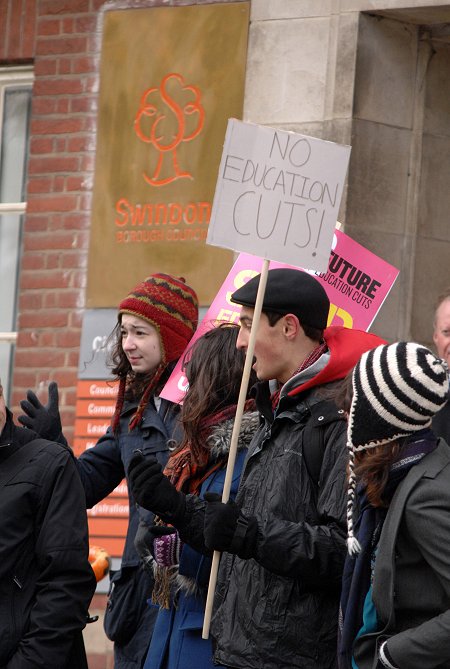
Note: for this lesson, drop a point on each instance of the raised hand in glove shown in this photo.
(227, 529)
(45, 420)
(153, 491)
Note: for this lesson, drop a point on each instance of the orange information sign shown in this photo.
(108, 520)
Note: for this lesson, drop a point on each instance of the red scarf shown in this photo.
(307, 362)
(191, 464)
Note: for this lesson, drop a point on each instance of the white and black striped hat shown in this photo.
(397, 389)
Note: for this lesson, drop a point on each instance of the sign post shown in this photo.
(235, 436)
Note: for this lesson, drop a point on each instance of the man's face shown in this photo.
(2, 409)
(270, 347)
(441, 335)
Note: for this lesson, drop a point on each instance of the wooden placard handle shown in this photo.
(235, 436)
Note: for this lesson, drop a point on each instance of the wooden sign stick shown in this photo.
(235, 436)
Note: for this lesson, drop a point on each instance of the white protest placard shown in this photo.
(278, 195)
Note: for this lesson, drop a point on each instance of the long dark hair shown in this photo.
(214, 369)
(372, 467)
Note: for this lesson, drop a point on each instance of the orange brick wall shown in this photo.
(60, 37)
(17, 31)
(62, 40)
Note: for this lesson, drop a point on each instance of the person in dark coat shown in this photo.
(395, 607)
(441, 338)
(283, 540)
(155, 323)
(46, 581)
(214, 372)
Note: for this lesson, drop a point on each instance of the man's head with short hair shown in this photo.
(294, 314)
(289, 291)
(441, 335)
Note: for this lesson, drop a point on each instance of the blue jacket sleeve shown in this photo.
(101, 468)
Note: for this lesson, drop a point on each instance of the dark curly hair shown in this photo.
(213, 367)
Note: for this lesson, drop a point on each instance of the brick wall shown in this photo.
(61, 38)
(17, 31)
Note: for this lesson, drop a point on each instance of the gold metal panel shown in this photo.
(170, 77)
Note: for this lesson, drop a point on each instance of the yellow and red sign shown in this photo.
(170, 78)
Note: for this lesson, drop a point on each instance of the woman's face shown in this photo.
(141, 344)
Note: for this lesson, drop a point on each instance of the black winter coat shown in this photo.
(46, 581)
(280, 609)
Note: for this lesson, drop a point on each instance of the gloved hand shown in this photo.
(153, 491)
(227, 529)
(45, 420)
(147, 545)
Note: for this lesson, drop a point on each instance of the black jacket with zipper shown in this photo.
(46, 581)
(280, 607)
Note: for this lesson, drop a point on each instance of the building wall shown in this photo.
(318, 67)
(373, 75)
(398, 202)
(64, 50)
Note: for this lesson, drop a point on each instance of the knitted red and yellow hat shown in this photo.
(171, 307)
(168, 304)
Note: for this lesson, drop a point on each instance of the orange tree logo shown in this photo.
(168, 116)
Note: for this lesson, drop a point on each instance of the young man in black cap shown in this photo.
(284, 539)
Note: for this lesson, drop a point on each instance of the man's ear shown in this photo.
(291, 326)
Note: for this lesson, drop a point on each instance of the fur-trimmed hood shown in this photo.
(220, 439)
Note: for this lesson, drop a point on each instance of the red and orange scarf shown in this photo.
(190, 466)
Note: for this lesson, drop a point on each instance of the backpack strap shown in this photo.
(321, 415)
(20, 457)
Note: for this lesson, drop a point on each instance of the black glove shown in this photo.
(45, 420)
(227, 529)
(146, 535)
(153, 491)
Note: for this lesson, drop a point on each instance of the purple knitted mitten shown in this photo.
(167, 549)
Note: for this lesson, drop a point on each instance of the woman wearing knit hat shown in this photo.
(395, 605)
(156, 320)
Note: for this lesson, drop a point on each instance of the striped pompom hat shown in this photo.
(171, 306)
(397, 389)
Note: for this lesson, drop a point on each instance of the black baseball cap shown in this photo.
(289, 291)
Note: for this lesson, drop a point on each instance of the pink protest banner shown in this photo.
(357, 283)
